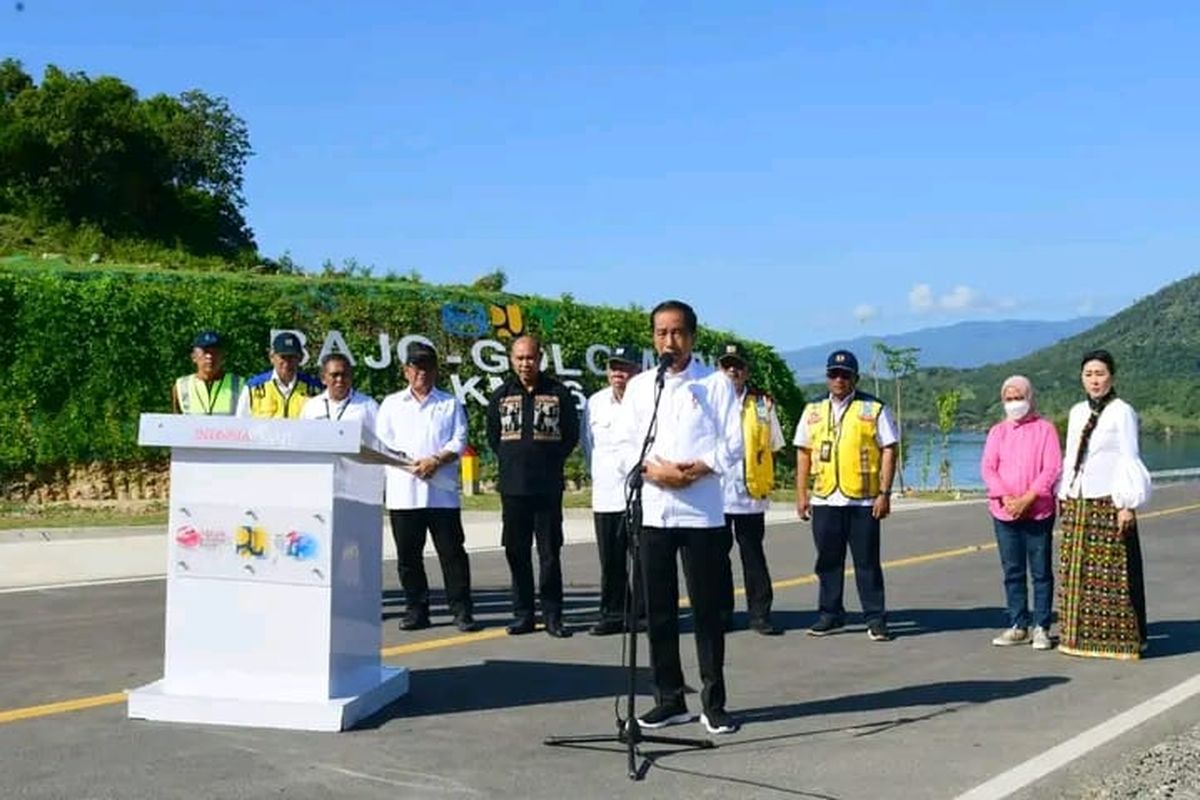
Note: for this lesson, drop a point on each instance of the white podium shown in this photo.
(273, 576)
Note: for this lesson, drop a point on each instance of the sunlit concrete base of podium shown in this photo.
(152, 702)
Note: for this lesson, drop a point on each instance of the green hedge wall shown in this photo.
(85, 351)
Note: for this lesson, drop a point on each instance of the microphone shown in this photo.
(664, 363)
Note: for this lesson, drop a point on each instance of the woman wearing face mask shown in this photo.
(1021, 465)
(1103, 609)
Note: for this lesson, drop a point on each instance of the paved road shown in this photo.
(931, 714)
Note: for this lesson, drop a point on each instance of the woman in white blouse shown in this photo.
(1103, 608)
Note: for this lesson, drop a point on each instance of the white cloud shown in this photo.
(920, 298)
(1087, 307)
(960, 298)
(865, 313)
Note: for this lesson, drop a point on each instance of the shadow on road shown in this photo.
(908, 621)
(1173, 637)
(946, 693)
(505, 683)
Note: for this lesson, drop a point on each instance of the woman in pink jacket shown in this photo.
(1022, 462)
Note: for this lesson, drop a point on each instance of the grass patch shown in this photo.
(73, 515)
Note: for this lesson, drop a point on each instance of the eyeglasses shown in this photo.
(839, 375)
(333, 376)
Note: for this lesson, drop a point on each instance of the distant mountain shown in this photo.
(1156, 344)
(963, 345)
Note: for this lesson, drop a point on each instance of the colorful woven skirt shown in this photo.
(1102, 607)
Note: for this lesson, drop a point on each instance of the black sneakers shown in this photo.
(766, 627)
(663, 715)
(555, 629)
(826, 625)
(414, 621)
(519, 626)
(607, 627)
(718, 721)
(467, 624)
(877, 631)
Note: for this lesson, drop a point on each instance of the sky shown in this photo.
(798, 171)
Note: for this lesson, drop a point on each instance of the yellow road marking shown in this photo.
(33, 712)
(114, 698)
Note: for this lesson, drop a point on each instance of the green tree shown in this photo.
(494, 281)
(947, 413)
(900, 362)
(88, 152)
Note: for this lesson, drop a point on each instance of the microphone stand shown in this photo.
(629, 731)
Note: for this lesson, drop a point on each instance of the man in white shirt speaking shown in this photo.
(682, 511)
(429, 427)
(602, 448)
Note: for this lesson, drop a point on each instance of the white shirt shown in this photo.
(420, 429)
(602, 448)
(354, 479)
(733, 483)
(885, 436)
(286, 389)
(1113, 463)
(697, 421)
(354, 406)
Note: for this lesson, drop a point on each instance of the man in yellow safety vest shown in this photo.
(747, 491)
(210, 389)
(845, 463)
(282, 391)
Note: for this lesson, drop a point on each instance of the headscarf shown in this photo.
(1022, 383)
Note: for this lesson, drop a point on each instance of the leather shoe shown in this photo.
(519, 626)
(607, 627)
(766, 628)
(467, 624)
(555, 629)
(414, 622)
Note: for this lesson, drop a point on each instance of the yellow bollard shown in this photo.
(470, 471)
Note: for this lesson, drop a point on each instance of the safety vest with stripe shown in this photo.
(198, 397)
(266, 401)
(845, 454)
(756, 435)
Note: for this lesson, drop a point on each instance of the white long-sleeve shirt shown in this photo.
(697, 421)
(1113, 463)
(355, 479)
(733, 483)
(421, 429)
(602, 448)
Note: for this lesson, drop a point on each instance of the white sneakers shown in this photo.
(1012, 636)
(1041, 638)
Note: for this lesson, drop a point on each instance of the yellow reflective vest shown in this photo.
(756, 436)
(845, 453)
(197, 397)
(266, 401)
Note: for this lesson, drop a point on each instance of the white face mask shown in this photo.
(1016, 409)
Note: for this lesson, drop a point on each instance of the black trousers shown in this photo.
(409, 527)
(702, 552)
(612, 542)
(527, 518)
(749, 530)
(835, 527)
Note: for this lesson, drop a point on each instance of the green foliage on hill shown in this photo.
(1156, 344)
(88, 349)
(91, 156)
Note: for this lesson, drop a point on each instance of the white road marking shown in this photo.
(1042, 765)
